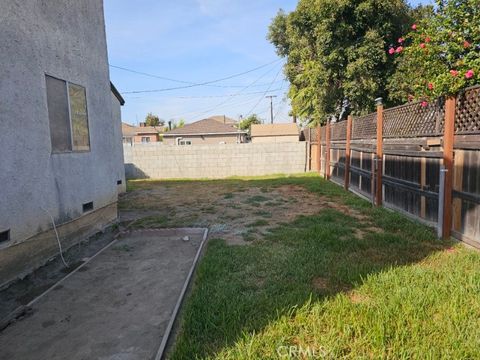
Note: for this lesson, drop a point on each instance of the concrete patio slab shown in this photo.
(117, 306)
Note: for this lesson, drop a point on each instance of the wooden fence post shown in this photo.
(347, 152)
(319, 148)
(379, 159)
(448, 140)
(327, 151)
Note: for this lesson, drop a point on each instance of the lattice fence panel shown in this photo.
(467, 113)
(414, 120)
(365, 127)
(339, 131)
(323, 132)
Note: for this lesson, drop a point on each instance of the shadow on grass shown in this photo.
(240, 290)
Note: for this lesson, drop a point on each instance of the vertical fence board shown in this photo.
(448, 140)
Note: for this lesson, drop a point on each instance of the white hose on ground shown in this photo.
(58, 238)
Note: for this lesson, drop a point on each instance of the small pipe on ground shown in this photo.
(58, 238)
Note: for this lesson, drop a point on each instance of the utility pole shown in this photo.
(271, 106)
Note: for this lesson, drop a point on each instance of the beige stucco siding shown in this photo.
(275, 139)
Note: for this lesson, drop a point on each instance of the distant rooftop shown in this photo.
(274, 130)
(130, 130)
(208, 126)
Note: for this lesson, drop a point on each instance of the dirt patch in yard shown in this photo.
(237, 213)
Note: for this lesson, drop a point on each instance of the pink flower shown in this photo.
(399, 49)
(414, 27)
(469, 74)
(430, 86)
(466, 44)
(391, 51)
(422, 45)
(424, 104)
(401, 40)
(427, 39)
(454, 72)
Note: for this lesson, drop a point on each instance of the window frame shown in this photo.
(67, 89)
(185, 142)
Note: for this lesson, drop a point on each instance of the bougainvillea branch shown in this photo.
(441, 55)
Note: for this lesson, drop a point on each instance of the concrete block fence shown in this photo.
(160, 161)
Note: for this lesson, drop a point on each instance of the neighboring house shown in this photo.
(140, 134)
(207, 131)
(271, 133)
(61, 151)
(224, 119)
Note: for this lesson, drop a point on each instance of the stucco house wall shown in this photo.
(65, 39)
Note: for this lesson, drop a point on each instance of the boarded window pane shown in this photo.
(78, 112)
(58, 114)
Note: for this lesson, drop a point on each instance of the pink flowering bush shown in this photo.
(441, 55)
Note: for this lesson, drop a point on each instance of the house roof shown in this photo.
(274, 130)
(117, 94)
(130, 130)
(205, 127)
(223, 119)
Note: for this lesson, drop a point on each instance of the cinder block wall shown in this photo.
(159, 161)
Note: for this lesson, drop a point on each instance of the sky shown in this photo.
(157, 45)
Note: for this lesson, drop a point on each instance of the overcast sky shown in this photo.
(196, 41)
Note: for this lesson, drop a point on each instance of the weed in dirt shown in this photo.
(263, 213)
(258, 223)
(249, 235)
(125, 248)
(208, 210)
(150, 222)
(229, 196)
(255, 200)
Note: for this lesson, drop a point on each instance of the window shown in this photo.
(145, 139)
(67, 113)
(184, 142)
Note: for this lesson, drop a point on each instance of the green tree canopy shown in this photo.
(153, 120)
(338, 49)
(441, 54)
(247, 123)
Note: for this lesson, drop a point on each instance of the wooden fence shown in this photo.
(422, 161)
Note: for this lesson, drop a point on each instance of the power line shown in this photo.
(245, 88)
(191, 84)
(210, 96)
(263, 95)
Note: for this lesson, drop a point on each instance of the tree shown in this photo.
(247, 123)
(153, 120)
(441, 54)
(174, 124)
(337, 50)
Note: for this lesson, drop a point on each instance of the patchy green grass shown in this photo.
(316, 286)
